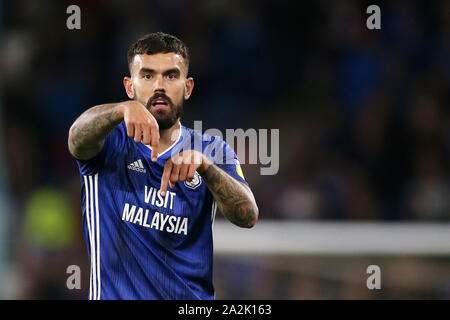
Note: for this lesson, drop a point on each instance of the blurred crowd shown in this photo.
(363, 114)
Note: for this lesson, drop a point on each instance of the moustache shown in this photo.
(157, 96)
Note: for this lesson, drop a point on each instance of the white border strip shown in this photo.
(213, 211)
(296, 237)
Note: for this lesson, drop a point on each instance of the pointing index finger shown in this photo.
(165, 177)
(154, 141)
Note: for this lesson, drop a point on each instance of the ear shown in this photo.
(128, 84)
(188, 87)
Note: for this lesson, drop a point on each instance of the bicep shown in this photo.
(86, 153)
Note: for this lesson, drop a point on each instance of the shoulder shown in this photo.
(118, 135)
(204, 138)
(212, 146)
(121, 127)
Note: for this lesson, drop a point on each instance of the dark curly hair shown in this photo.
(158, 42)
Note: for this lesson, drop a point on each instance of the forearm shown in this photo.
(234, 199)
(88, 132)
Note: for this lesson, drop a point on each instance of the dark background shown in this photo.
(363, 114)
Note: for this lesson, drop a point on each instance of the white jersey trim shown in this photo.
(93, 224)
(173, 144)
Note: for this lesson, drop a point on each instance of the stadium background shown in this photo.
(363, 117)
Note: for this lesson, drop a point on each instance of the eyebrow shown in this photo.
(168, 71)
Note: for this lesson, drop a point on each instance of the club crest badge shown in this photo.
(195, 182)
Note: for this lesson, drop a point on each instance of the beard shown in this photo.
(165, 118)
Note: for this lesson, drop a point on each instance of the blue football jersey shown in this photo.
(143, 245)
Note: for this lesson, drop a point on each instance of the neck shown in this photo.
(168, 136)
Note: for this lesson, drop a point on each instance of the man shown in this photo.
(149, 192)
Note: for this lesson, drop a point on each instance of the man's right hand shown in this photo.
(87, 134)
(141, 125)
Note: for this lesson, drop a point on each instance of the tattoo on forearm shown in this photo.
(88, 132)
(234, 200)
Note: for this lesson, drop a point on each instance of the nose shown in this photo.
(159, 85)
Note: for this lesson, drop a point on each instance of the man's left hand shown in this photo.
(182, 167)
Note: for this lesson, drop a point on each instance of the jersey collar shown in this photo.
(171, 146)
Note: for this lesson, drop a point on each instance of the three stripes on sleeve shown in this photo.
(92, 218)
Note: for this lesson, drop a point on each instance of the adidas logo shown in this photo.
(137, 166)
